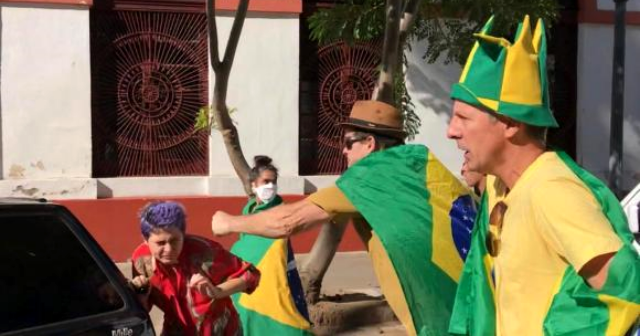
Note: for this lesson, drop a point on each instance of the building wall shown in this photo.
(104, 217)
(595, 68)
(45, 106)
(45, 93)
(429, 85)
(45, 114)
(263, 89)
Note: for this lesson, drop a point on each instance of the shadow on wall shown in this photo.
(430, 83)
(631, 146)
(426, 91)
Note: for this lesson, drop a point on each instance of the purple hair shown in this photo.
(162, 215)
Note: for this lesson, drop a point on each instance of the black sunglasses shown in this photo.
(348, 143)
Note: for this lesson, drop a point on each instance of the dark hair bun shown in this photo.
(261, 160)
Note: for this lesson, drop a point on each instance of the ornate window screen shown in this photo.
(149, 80)
(346, 73)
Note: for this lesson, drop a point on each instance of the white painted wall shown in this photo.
(46, 108)
(595, 66)
(264, 89)
(429, 86)
(45, 93)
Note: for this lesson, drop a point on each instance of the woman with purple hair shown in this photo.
(190, 278)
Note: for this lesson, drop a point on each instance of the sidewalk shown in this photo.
(349, 278)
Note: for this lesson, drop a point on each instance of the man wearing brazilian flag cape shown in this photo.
(551, 251)
(419, 216)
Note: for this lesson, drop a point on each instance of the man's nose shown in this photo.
(453, 131)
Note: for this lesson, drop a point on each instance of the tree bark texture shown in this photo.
(384, 90)
(222, 70)
(314, 268)
(399, 23)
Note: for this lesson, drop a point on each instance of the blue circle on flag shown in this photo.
(463, 215)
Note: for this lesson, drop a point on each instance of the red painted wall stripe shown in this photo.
(268, 6)
(113, 222)
(265, 6)
(74, 3)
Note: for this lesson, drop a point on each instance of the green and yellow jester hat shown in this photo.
(507, 78)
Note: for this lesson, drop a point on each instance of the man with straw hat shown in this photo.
(551, 250)
(420, 216)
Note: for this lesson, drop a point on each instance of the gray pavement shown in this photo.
(350, 275)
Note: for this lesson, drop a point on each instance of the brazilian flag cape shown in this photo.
(422, 215)
(277, 306)
(576, 308)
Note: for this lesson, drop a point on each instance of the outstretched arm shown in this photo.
(278, 222)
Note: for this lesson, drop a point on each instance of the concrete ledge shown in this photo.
(182, 186)
(152, 186)
(313, 183)
(231, 186)
(81, 188)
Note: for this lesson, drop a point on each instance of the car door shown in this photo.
(56, 279)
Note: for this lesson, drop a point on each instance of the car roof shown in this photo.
(22, 200)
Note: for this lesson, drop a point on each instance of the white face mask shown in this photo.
(266, 193)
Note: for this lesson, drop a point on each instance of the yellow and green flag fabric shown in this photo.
(277, 306)
(576, 308)
(423, 216)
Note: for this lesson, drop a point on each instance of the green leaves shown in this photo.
(447, 26)
(403, 101)
(449, 30)
(349, 22)
(205, 120)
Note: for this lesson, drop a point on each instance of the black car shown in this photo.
(56, 280)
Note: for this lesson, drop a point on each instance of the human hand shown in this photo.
(140, 284)
(221, 223)
(203, 285)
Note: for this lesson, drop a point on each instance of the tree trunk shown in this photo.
(408, 18)
(229, 131)
(222, 70)
(313, 269)
(384, 90)
(396, 32)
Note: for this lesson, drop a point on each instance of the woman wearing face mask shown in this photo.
(277, 307)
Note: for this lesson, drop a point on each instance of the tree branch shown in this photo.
(222, 72)
(229, 131)
(213, 35)
(234, 35)
(408, 18)
(384, 88)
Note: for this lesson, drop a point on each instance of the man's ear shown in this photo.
(512, 128)
(371, 144)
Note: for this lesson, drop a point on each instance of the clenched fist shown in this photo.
(221, 223)
(140, 284)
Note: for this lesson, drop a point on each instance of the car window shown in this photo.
(47, 275)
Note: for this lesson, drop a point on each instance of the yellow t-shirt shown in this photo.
(335, 203)
(552, 221)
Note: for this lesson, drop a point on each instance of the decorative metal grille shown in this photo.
(149, 80)
(346, 73)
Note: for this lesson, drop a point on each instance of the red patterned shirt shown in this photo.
(187, 311)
